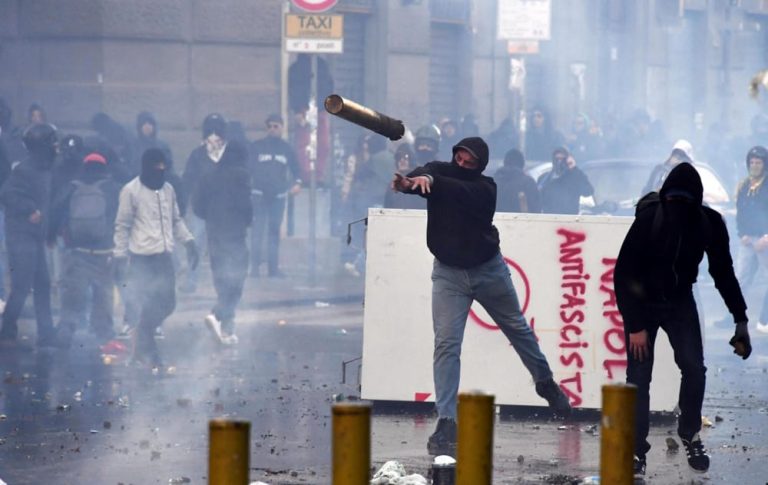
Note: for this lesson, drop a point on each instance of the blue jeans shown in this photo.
(453, 290)
(680, 321)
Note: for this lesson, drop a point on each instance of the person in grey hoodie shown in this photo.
(147, 224)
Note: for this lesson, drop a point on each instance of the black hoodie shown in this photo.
(224, 200)
(28, 189)
(659, 259)
(460, 209)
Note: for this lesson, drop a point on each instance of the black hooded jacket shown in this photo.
(142, 143)
(460, 209)
(513, 181)
(28, 189)
(659, 259)
(224, 200)
(273, 166)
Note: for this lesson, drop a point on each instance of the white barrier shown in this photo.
(562, 268)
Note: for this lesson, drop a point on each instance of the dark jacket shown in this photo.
(198, 164)
(560, 194)
(28, 189)
(752, 210)
(224, 200)
(59, 225)
(460, 209)
(510, 183)
(659, 259)
(273, 166)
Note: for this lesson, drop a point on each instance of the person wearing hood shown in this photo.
(468, 266)
(146, 138)
(682, 151)
(426, 144)
(541, 137)
(25, 197)
(517, 191)
(275, 176)
(752, 225)
(147, 225)
(224, 203)
(200, 161)
(83, 215)
(563, 186)
(653, 279)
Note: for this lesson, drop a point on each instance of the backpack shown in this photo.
(88, 213)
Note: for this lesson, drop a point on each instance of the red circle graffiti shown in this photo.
(526, 299)
(314, 5)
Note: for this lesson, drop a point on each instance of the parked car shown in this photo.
(619, 182)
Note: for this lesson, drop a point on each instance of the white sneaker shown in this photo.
(125, 332)
(350, 268)
(214, 324)
(159, 333)
(762, 327)
(230, 339)
(2, 306)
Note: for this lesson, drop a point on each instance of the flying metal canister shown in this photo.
(363, 116)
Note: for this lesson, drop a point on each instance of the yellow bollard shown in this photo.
(617, 434)
(474, 447)
(351, 437)
(229, 455)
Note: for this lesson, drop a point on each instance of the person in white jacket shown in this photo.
(147, 224)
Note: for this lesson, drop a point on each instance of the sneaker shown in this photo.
(762, 327)
(159, 333)
(698, 459)
(2, 306)
(125, 332)
(229, 339)
(443, 440)
(214, 324)
(64, 336)
(638, 466)
(350, 268)
(557, 400)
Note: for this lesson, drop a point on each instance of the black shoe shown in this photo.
(64, 337)
(698, 459)
(443, 440)
(638, 466)
(557, 400)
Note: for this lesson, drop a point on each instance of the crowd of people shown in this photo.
(82, 215)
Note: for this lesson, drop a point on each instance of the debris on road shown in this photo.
(672, 445)
(393, 473)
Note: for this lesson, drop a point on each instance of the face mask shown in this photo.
(214, 145)
(153, 178)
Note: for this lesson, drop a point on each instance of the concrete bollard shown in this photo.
(617, 434)
(229, 452)
(351, 437)
(474, 450)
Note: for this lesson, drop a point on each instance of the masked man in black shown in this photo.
(655, 272)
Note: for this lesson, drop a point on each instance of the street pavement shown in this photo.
(70, 418)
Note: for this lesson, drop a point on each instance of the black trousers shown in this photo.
(680, 321)
(83, 271)
(28, 269)
(152, 281)
(268, 215)
(229, 265)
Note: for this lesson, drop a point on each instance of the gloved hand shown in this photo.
(740, 341)
(120, 268)
(193, 257)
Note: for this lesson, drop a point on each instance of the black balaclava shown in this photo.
(40, 141)
(682, 195)
(152, 177)
(72, 150)
(560, 166)
(477, 147)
